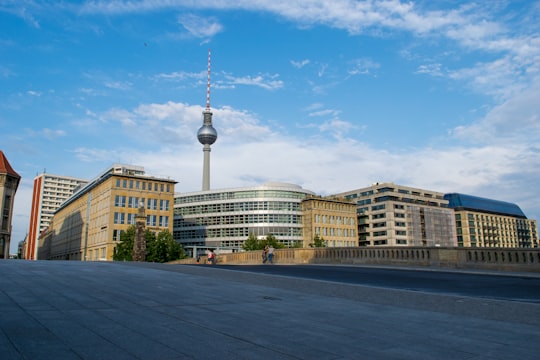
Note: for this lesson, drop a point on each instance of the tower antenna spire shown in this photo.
(208, 84)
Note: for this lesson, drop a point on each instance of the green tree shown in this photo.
(124, 249)
(296, 245)
(162, 248)
(272, 241)
(252, 243)
(318, 241)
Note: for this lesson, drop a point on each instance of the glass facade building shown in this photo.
(224, 219)
(482, 222)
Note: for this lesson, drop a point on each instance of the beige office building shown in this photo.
(482, 222)
(395, 215)
(332, 219)
(88, 225)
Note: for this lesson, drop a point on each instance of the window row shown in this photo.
(151, 220)
(239, 206)
(133, 202)
(335, 232)
(330, 219)
(250, 194)
(240, 219)
(143, 185)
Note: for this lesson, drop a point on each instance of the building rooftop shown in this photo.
(468, 202)
(5, 166)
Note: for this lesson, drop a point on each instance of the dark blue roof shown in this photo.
(474, 203)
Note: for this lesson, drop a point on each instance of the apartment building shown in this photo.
(332, 219)
(396, 215)
(88, 225)
(49, 192)
(482, 222)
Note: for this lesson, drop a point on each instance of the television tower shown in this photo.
(207, 135)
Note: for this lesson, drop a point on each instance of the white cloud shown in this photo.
(300, 64)
(52, 134)
(200, 27)
(325, 112)
(362, 66)
(265, 81)
(430, 69)
(515, 121)
(49, 134)
(182, 75)
(118, 85)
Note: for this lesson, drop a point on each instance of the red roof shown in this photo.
(5, 167)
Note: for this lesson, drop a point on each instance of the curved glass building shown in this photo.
(225, 218)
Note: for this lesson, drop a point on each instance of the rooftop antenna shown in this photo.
(208, 84)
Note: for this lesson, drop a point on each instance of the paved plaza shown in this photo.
(97, 310)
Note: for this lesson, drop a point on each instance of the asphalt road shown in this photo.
(510, 287)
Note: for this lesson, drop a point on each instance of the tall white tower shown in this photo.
(207, 135)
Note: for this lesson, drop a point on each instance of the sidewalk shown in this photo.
(85, 310)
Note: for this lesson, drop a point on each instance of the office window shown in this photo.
(151, 220)
(131, 219)
(152, 204)
(117, 234)
(120, 201)
(164, 221)
(119, 218)
(133, 201)
(164, 205)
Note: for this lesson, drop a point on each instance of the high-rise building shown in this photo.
(482, 222)
(9, 182)
(395, 215)
(88, 225)
(225, 218)
(50, 191)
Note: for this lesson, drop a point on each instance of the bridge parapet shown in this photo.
(501, 259)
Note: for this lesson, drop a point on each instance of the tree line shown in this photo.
(160, 248)
(163, 248)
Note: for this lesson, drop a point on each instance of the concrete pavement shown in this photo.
(97, 310)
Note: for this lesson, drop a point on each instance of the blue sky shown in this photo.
(332, 95)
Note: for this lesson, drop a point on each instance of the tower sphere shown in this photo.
(207, 135)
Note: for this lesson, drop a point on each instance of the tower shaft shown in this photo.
(206, 168)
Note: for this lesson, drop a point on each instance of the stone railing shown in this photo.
(526, 260)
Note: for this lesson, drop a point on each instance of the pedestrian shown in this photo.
(264, 258)
(271, 254)
(211, 257)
